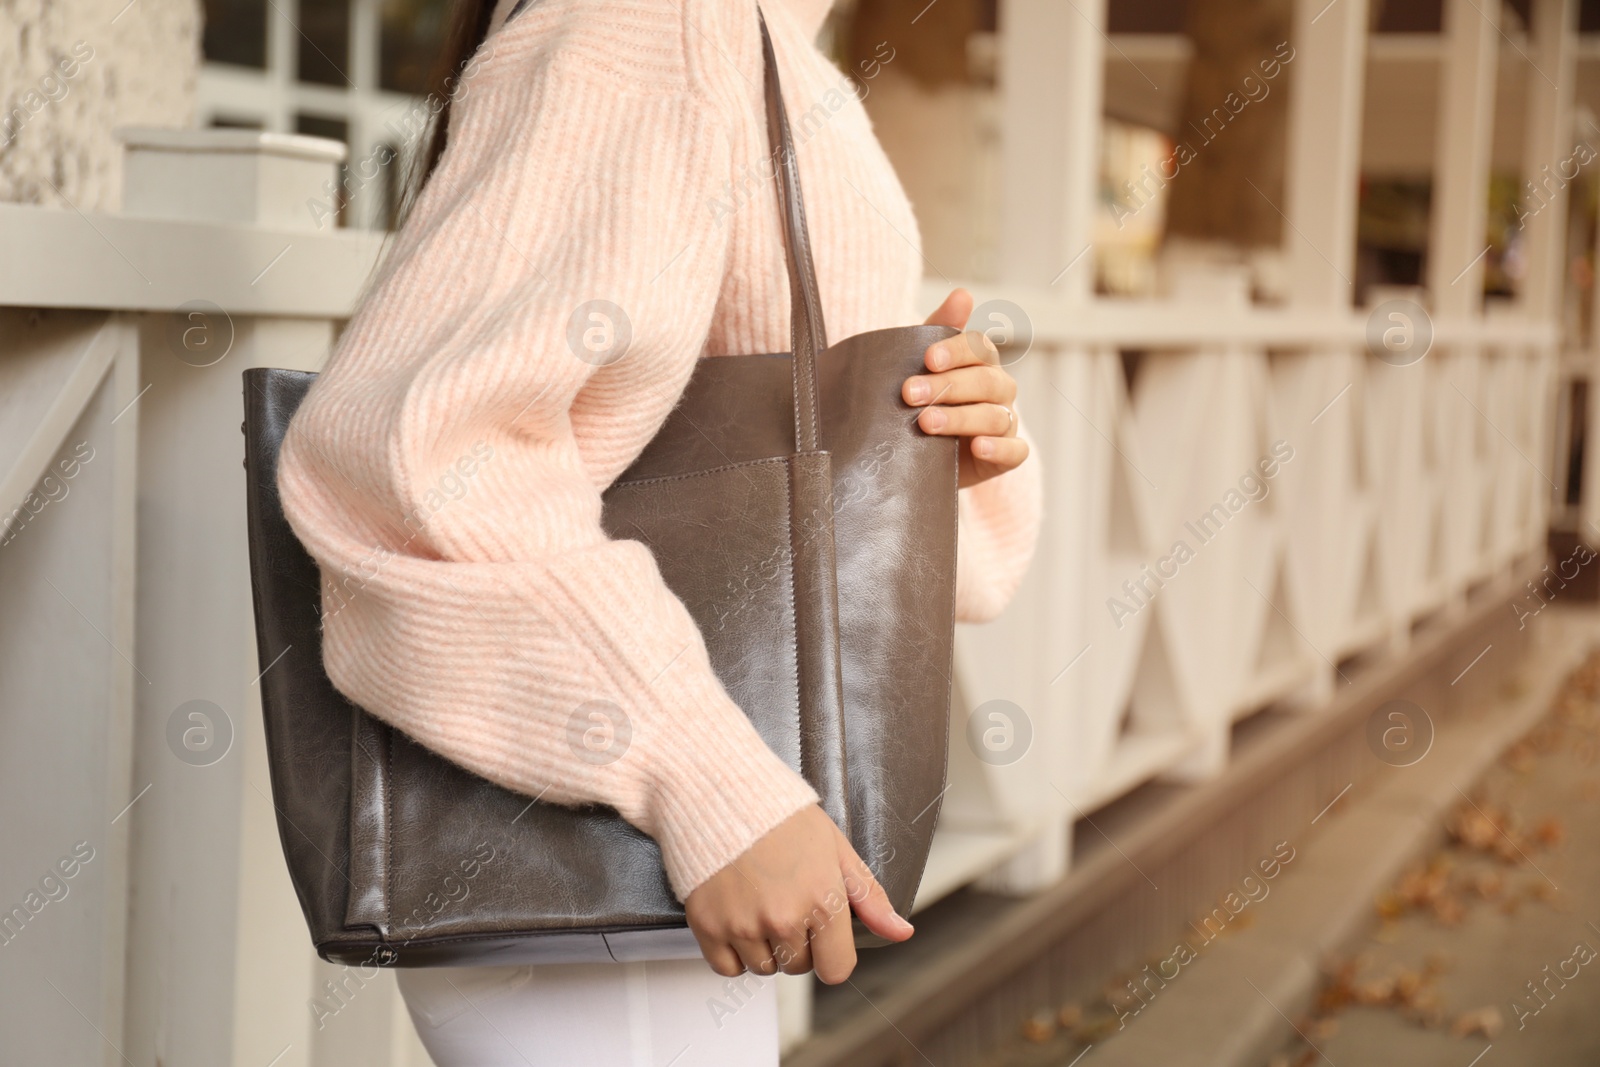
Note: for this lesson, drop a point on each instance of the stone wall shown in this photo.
(71, 71)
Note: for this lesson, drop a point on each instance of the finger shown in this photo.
(954, 312)
(757, 955)
(722, 958)
(867, 897)
(833, 943)
(793, 954)
(967, 385)
(1003, 452)
(966, 420)
(962, 350)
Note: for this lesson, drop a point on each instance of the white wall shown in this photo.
(126, 64)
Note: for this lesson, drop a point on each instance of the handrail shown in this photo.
(1178, 323)
(124, 262)
(128, 263)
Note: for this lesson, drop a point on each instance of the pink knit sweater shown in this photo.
(446, 469)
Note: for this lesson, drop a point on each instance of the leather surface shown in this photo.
(895, 515)
(369, 823)
(308, 723)
(810, 529)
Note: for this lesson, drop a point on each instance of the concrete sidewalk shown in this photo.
(1245, 999)
(1489, 952)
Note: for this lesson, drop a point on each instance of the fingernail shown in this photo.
(941, 357)
(933, 419)
(983, 448)
(918, 390)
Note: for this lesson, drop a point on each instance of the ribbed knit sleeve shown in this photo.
(998, 533)
(530, 329)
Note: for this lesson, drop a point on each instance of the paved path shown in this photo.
(1432, 891)
(1513, 899)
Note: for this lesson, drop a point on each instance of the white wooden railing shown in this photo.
(1396, 489)
(1413, 478)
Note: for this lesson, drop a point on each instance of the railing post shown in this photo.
(1323, 170)
(220, 965)
(1547, 152)
(1052, 63)
(1461, 158)
(1550, 162)
(68, 437)
(1589, 495)
(1319, 390)
(1457, 243)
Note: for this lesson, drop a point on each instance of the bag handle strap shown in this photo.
(807, 333)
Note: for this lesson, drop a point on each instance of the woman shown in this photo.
(601, 217)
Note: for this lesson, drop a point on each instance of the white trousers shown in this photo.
(666, 1013)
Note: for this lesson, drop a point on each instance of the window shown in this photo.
(236, 32)
(350, 70)
(324, 42)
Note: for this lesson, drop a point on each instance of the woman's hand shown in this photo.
(785, 904)
(968, 395)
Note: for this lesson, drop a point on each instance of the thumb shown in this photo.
(871, 903)
(955, 311)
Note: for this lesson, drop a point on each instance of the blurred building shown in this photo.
(1304, 287)
(353, 71)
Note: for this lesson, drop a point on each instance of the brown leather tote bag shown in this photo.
(826, 601)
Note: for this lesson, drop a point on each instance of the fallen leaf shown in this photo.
(1374, 991)
(1390, 906)
(1039, 1028)
(1407, 985)
(1096, 1030)
(1509, 851)
(1486, 1021)
(1551, 832)
(1472, 826)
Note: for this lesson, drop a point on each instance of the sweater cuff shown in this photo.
(708, 786)
(718, 790)
(999, 531)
